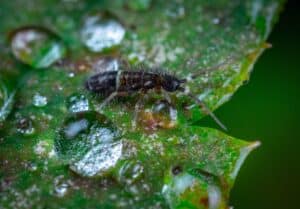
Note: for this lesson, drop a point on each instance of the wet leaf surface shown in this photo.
(59, 149)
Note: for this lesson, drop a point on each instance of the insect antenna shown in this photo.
(207, 110)
(228, 61)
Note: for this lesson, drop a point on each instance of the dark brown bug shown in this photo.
(132, 81)
(120, 83)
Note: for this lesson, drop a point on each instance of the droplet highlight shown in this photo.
(78, 103)
(99, 33)
(36, 46)
(89, 143)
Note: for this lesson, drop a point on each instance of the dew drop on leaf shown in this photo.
(89, 143)
(161, 115)
(130, 172)
(78, 103)
(37, 46)
(25, 126)
(98, 33)
(106, 64)
(39, 100)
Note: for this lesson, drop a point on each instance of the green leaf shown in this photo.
(58, 148)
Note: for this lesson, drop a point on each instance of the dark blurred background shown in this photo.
(268, 109)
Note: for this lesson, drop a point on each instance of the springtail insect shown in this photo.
(122, 83)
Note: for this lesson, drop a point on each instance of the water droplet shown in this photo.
(78, 103)
(37, 46)
(99, 33)
(39, 100)
(106, 64)
(24, 126)
(61, 186)
(99, 159)
(139, 5)
(41, 148)
(6, 101)
(130, 172)
(89, 142)
(161, 115)
(180, 187)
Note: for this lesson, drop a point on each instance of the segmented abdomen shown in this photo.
(102, 83)
(124, 81)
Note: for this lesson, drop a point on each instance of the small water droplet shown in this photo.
(106, 64)
(61, 186)
(99, 33)
(39, 100)
(24, 126)
(31, 166)
(78, 103)
(161, 115)
(130, 172)
(36, 46)
(89, 143)
(41, 148)
(216, 21)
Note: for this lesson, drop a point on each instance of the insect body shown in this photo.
(117, 83)
(132, 81)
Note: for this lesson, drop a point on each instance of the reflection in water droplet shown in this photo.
(78, 103)
(139, 5)
(36, 46)
(89, 142)
(182, 188)
(161, 115)
(176, 187)
(39, 100)
(24, 126)
(6, 101)
(98, 159)
(98, 34)
(214, 197)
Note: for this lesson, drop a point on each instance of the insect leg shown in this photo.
(108, 99)
(167, 96)
(207, 111)
(137, 109)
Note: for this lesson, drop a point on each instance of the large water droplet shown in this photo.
(99, 33)
(89, 142)
(37, 46)
(78, 103)
(6, 101)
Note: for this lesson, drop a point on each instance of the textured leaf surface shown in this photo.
(58, 149)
